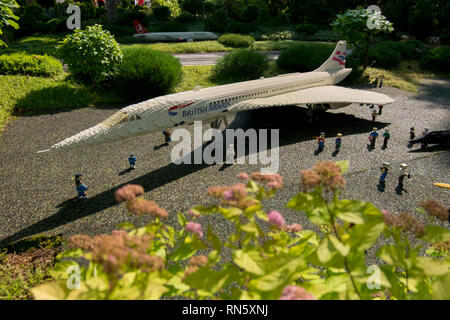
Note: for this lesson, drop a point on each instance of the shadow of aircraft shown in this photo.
(291, 121)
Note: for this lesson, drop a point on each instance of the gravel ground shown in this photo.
(37, 190)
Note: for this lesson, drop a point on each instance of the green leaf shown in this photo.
(212, 281)
(441, 287)
(313, 205)
(394, 255)
(126, 226)
(187, 249)
(60, 270)
(432, 266)
(343, 164)
(436, 234)
(55, 290)
(250, 260)
(231, 213)
(71, 253)
(342, 248)
(363, 236)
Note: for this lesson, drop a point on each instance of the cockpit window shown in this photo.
(114, 120)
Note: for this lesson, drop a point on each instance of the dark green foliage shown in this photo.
(307, 28)
(46, 3)
(194, 7)
(162, 13)
(243, 64)
(445, 36)
(87, 10)
(236, 40)
(214, 26)
(119, 31)
(238, 27)
(305, 57)
(384, 56)
(250, 13)
(126, 16)
(410, 49)
(172, 26)
(437, 59)
(92, 54)
(34, 11)
(32, 65)
(421, 21)
(146, 73)
(185, 18)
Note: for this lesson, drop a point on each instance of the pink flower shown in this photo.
(243, 176)
(195, 228)
(276, 218)
(295, 227)
(228, 195)
(292, 292)
(128, 192)
(194, 214)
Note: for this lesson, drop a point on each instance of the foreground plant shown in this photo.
(263, 258)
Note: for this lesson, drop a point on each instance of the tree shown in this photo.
(7, 16)
(111, 10)
(359, 26)
(194, 7)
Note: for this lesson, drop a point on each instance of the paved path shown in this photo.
(210, 58)
(37, 191)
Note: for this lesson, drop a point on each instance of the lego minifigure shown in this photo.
(132, 161)
(337, 142)
(424, 133)
(230, 154)
(321, 141)
(384, 172)
(412, 133)
(166, 134)
(380, 109)
(374, 115)
(403, 173)
(81, 188)
(373, 137)
(386, 136)
(380, 82)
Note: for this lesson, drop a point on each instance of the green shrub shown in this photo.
(172, 26)
(162, 13)
(46, 3)
(384, 56)
(410, 49)
(250, 13)
(87, 10)
(32, 65)
(213, 25)
(236, 40)
(279, 36)
(243, 64)
(304, 57)
(145, 73)
(126, 16)
(307, 28)
(185, 18)
(92, 54)
(356, 250)
(445, 37)
(119, 31)
(238, 27)
(437, 59)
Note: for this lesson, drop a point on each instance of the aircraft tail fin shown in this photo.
(139, 27)
(337, 59)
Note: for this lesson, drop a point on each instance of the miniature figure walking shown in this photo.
(424, 133)
(132, 161)
(380, 82)
(321, 141)
(401, 176)
(412, 135)
(373, 137)
(81, 188)
(384, 172)
(374, 115)
(380, 109)
(386, 136)
(166, 134)
(337, 142)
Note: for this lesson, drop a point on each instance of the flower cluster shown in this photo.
(119, 251)
(277, 219)
(140, 206)
(195, 263)
(435, 208)
(272, 181)
(128, 192)
(405, 222)
(243, 176)
(292, 292)
(235, 196)
(194, 228)
(326, 174)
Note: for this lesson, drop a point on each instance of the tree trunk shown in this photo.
(111, 10)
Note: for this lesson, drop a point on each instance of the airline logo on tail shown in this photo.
(180, 106)
(139, 27)
(340, 57)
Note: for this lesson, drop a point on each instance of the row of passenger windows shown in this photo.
(262, 92)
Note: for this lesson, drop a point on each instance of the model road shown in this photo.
(37, 192)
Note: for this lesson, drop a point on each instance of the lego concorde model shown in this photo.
(211, 104)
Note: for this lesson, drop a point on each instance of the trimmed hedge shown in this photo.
(437, 59)
(410, 49)
(145, 73)
(240, 65)
(32, 65)
(236, 40)
(305, 57)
